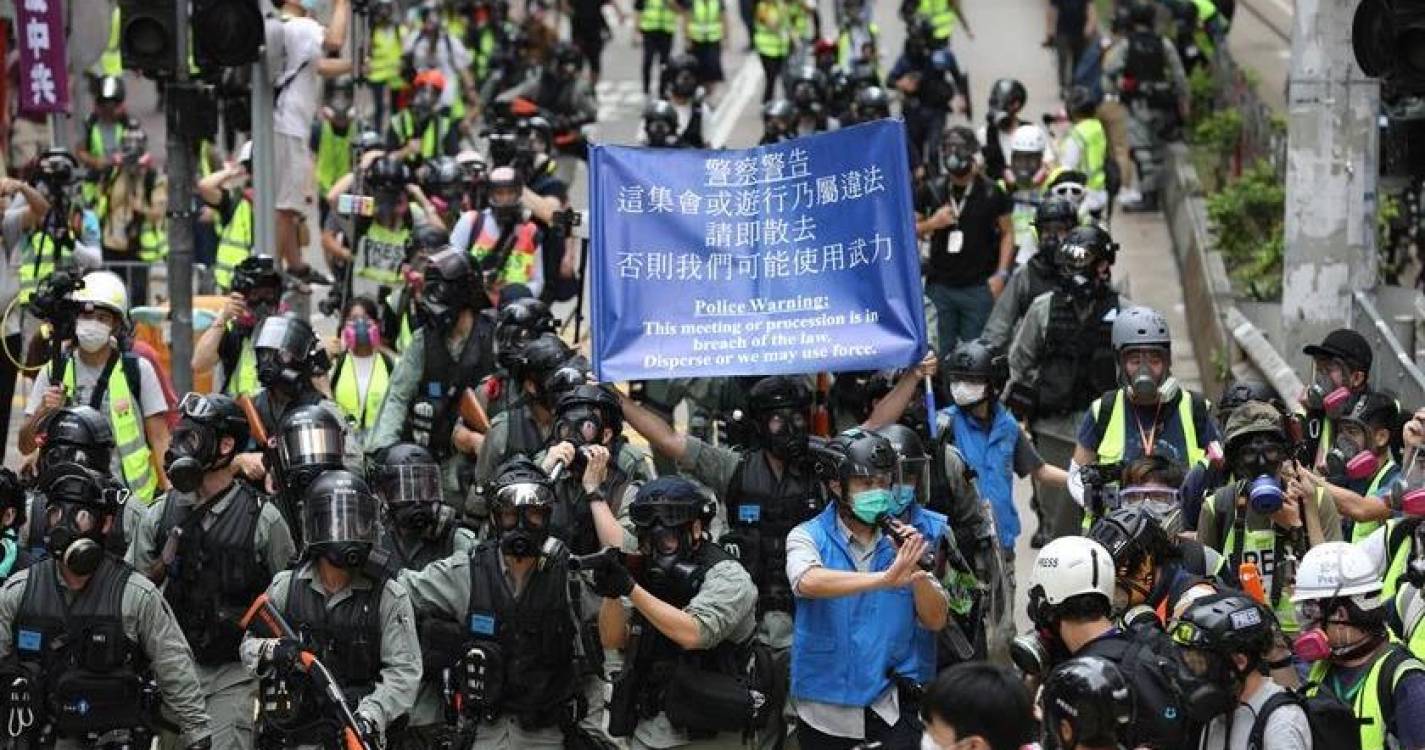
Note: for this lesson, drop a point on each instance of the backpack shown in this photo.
(1151, 665)
(1333, 724)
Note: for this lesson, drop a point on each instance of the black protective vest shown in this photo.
(267, 409)
(1078, 363)
(88, 668)
(761, 510)
(346, 638)
(433, 412)
(535, 635)
(1146, 60)
(417, 553)
(217, 573)
(523, 436)
(572, 522)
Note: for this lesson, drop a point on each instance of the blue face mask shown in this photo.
(902, 496)
(870, 505)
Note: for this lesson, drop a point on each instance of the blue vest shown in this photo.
(843, 647)
(920, 664)
(991, 454)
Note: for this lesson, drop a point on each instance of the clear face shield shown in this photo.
(911, 485)
(406, 485)
(310, 444)
(347, 516)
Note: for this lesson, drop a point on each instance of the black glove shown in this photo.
(204, 744)
(611, 578)
(370, 734)
(285, 654)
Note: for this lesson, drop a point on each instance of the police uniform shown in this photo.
(421, 398)
(365, 634)
(223, 562)
(1029, 280)
(271, 412)
(1146, 114)
(472, 598)
(36, 604)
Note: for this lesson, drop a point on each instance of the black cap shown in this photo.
(1344, 344)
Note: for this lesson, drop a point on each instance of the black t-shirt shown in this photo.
(1073, 15)
(587, 18)
(978, 257)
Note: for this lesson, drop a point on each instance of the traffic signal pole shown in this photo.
(181, 177)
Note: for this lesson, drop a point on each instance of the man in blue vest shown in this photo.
(860, 596)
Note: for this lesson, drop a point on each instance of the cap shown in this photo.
(1253, 417)
(1344, 344)
(429, 77)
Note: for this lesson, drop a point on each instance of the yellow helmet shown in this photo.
(106, 290)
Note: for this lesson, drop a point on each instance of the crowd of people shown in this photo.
(431, 526)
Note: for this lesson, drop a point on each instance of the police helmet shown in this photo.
(78, 434)
(451, 282)
(310, 440)
(584, 411)
(669, 501)
(778, 392)
(1006, 94)
(872, 103)
(539, 357)
(975, 360)
(1130, 534)
(1090, 696)
(339, 510)
(520, 321)
(287, 350)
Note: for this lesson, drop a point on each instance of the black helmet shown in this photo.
(568, 58)
(256, 272)
(78, 434)
(1056, 210)
(218, 412)
(1076, 258)
(778, 116)
(405, 473)
(977, 361)
(778, 392)
(1130, 534)
(1006, 93)
(535, 128)
(1227, 623)
(1080, 101)
(872, 103)
(539, 357)
(681, 74)
(1092, 697)
(958, 148)
(428, 237)
(521, 499)
(912, 457)
(858, 453)
(451, 285)
(669, 501)
(441, 176)
(389, 173)
(340, 518)
(807, 86)
(369, 140)
(111, 89)
(1240, 391)
(584, 412)
(660, 122)
(72, 483)
(1143, 14)
(287, 351)
(310, 440)
(520, 321)
(1094, 237)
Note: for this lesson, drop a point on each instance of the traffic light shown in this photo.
(1388, 38)
(227, 33)
(146, 35)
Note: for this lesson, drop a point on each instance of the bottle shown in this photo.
(1251, 580)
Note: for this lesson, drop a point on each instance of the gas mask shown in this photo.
(671, 574)
(413, 516)
(1407, 493)
(192, 452)
(437, 302)
(423, 105)
(1211, 684)
(1026, 166)
(1036, 652)
(1313, 644)
(1143, 386)
(347, 555)
(506, 214)
(579, 426)
(1351, 460)
(659, 132)
(275, 370)
(1262, 454)
(76, 540)
(957, 161)
(1162, 503)
(685, 85)
(784, 433)
(359, 333)
(521, 513)
(967, 394)
(1264, 495)
(259, 307)
(1325, 396)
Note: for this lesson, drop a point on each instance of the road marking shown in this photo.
(744, 87)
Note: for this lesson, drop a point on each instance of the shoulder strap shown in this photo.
(1400, 532)
(1385, 683)
(1259, 724)
(101, 386)
(336, 369)
(133, 375)
(1106, 405)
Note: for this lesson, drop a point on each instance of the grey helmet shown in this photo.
(1141, 328)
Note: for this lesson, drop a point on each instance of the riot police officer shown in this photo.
(1143, 70)
(84, 627)
(418, 527)
(1053, 225)
(520, 322)
(691, 629)
(660, 126)
(213, 542)
(1061, 360)
(524, 426)
(74, 434)
(309, 441)
(778, 122)
(510, 610)
(350, 613)
(451, 351)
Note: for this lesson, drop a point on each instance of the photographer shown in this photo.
(133, 199)
(227, 343)
(119, 384)
(68, 234)
(425, 129)
(383, 241)
(503, 240)
(22, 210)
(228, 193)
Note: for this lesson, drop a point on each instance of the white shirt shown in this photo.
(297, 105)
(449, 57)
(364, 367)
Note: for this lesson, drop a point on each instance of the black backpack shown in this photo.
(1334, 724)
(1151, 665)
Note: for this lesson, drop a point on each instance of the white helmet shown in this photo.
(104, 289)
(1072, 565)
(1335, 569)
(1029, 139)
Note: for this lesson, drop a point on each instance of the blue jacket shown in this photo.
(920, 664)
(989, 450)
(843, 648)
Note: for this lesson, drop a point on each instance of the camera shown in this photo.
(1101, 487)
(56, 171)
(52, 301)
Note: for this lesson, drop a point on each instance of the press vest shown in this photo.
(1078, 363)
(333, 156)
(385, 68)
(657, 16)
(234, 244)
(770, 34)
(1366, 705)
(1113, 447)
(1359, 530)
(990, 452)
(519, 262)
(126, 420)
(242, 379)
(1260, 546)
(761, 509)
(217, 573)
(842, 647)
(941, 15)
(1093, 148)
(705, 23)
(362, 408)
(381, 252)
(432, 137)
(86, 664)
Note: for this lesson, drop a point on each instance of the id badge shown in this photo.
(955, 242)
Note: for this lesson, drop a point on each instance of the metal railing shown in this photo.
(1262, 134)
(1393, 367)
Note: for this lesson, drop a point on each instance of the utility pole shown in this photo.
(181, 176)
(264, 197)
(1331, 174)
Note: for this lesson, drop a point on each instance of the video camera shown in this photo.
(1101, 487)
(56, 171)
(52, 301)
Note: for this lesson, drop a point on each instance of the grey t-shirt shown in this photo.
(85, 377)
(1287, 728)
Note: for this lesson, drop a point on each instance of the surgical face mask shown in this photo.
(91, 334)
(869, 506)
(902, 495)
(311, 6)
(967, 394)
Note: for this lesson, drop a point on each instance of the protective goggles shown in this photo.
(581, 425)
(1071, 191)
(196, 407)
(1133, 495)
(657, 513)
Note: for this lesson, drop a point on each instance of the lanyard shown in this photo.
(950, 199)
(1149, 439)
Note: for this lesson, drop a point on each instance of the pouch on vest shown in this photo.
(441, 644)
(82, 701)
(482, 679)
(699, 700)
